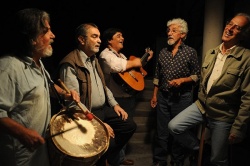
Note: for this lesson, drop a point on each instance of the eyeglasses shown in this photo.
(173, 31)
(233, 26)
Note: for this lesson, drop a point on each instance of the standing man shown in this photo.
(81, 71)
(177, 71)
(224, 94)
(25, 109)
(113, 61)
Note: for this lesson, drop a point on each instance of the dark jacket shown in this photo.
(83, 75)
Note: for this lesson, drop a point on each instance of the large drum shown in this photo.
(76, 141)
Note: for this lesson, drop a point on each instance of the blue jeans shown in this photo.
(219, 132)
(168, 106)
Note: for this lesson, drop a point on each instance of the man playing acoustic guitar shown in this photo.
(115, 64)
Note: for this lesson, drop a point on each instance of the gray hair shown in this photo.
(82, 29)
(28, 24)
(245, 33)
(181, 23)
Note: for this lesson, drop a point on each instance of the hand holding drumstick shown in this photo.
(86, 112)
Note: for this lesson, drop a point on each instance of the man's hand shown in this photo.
(153, 102)
(73, 95)
(151, 53)
(234, 139)
(176, 82)
(120, 112)
(31, 139)
(28, 137)
(110, 130)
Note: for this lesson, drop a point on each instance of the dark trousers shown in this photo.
(128, 104)
(168, 107)
(123, 132)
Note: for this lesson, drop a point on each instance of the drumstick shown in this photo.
(86, 112)
(61, 132)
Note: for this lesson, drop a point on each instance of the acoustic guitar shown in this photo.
(132, 81)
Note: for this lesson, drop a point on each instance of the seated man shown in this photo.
(81, 71)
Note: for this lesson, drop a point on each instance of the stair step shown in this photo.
(144, 120)
(139, 148)
(145, 127)
(142, 138)
(144, 116)
(143, 109)
(148, 83)
(144, 95)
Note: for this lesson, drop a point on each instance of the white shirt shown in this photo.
(218, 66)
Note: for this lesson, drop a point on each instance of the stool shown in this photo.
(202, 140)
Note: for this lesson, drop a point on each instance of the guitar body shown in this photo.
(131, 81)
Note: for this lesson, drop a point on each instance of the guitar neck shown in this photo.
(145, 57)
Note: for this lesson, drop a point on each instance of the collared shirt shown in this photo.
(183, 64)
(68, 76)
(96, 84)
(112, 62)
(24, 98)
(219, 63)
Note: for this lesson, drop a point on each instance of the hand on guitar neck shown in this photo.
(148, 55)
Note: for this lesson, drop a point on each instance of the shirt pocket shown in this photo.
(232, 78)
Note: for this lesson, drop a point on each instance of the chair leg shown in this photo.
(201, 144)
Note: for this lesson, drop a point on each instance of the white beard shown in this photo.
(171, 42)
(48, 52)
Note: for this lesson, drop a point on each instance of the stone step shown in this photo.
(142, 154)
(142, 138)
(145, 120)
(143, 108)
(144, 124)
(145, 95)
(148, 83)
(144, 115)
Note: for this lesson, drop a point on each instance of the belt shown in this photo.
(174, 93)
(98, 108)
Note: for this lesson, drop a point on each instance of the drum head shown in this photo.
(79, 137)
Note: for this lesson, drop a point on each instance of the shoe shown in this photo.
(127, 162)
(155, 164)
(193, 159)
(178, 164)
